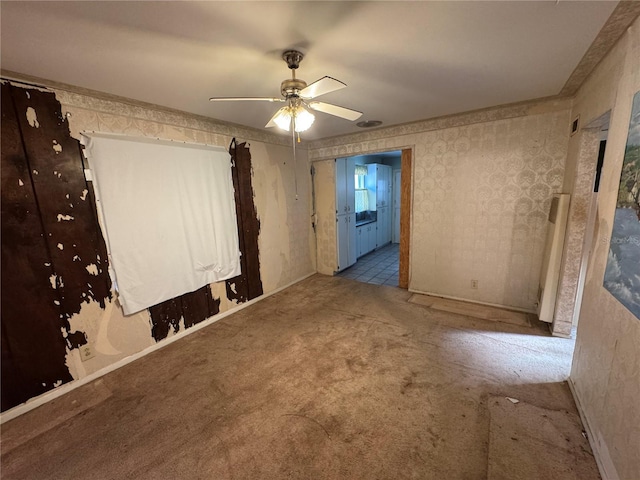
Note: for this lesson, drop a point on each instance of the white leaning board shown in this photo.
(550, 273)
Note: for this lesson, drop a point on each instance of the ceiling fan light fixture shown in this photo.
(303, 118)
(283, 118)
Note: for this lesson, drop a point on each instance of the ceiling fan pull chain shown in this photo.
(295, 163)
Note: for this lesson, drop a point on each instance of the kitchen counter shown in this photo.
(366, 217)
(365, 222)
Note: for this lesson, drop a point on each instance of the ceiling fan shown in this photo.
(299, 98)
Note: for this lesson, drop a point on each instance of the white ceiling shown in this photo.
(402, 61)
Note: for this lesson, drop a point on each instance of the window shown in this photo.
(362, 196)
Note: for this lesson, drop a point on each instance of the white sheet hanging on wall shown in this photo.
(169, 214)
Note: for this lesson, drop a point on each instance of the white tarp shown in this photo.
(169, 213)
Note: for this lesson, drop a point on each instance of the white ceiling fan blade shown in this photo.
(320, 87)
(331, 109)
(246, 99)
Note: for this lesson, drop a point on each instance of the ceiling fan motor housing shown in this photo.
(291, 87)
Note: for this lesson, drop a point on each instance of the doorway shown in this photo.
(380, 182)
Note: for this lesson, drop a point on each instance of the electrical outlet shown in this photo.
(86, 352)
(474, 284)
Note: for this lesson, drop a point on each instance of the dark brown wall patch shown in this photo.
(53, 253)
(194, 307)
(248, 284)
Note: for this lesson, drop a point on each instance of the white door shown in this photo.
(341, 186)
(383, 230)
(396, 206)
(353, 239)
(371, 230)
(387, 225)
(350, 185)
(380, 226)
(342, 227)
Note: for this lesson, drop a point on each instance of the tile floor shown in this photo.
(379, 267)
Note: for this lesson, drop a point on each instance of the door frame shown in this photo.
(405, 216)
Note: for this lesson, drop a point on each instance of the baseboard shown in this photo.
(68, 387)
(459, 299)
(598, 446)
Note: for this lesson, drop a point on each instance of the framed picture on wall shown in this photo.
(622, 275)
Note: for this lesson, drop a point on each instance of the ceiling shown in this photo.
(402, 61)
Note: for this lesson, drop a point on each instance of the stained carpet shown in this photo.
(328, 379)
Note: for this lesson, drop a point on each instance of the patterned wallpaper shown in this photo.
(387, 138)
(286, 240)
(606, 365)
(481, 195)
(581, 194)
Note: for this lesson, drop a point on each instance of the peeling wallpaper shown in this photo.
(605, 375)
(286, 241)
(481, 196)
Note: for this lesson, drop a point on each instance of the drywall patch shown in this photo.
(247, 285)
(92, 269)
(193, 308)
(32, 117)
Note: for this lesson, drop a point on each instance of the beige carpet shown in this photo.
(328, 379)
(521, 435)
(475, 310)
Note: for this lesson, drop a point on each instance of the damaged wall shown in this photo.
(53, 253)
(605, 375)
(482, 186)
(263, 167)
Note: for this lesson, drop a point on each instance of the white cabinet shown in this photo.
(383, 185)
(345, 186)
(345, 213)
(395, 216)
(372, 185)
(383, 231)
(367, 238)
(347, 240)
(371, 238)
(379, 184)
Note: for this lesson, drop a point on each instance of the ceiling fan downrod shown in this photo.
(291, 87)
